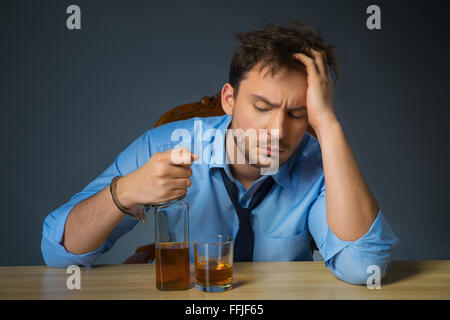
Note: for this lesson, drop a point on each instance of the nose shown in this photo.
(278, 121)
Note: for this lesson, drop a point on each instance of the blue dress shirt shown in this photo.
(283, 224)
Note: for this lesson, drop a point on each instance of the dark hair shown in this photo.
(275, 45)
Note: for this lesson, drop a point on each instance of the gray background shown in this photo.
(72, 100)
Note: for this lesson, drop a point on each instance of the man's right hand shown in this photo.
(165, 176)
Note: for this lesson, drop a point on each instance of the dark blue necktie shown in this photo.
(243, 243)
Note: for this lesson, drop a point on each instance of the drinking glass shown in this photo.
(213, 257)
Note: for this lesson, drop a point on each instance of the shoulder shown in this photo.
(188, 124)
(311, 148)
(169, 134)
(306, 162)
(308, 150)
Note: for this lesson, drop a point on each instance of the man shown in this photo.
(279, 81)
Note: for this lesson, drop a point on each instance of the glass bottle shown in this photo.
(172, 245)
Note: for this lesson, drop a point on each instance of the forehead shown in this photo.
(284, 84)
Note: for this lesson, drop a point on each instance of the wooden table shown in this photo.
(252, 281)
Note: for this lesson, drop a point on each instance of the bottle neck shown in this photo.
(168, 202)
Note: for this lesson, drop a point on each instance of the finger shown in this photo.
(176, 194)
(177, 171)
(320, 60)
(182, 156)
(311, 67)
(180, 184)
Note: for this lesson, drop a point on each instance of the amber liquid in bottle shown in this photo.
(172, 266)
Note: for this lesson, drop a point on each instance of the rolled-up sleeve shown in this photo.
(53, 251)
(349, 260)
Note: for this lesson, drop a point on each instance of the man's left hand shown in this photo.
(319, 94)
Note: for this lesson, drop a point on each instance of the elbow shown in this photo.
(56, 256)
(364, 274)
(365, 271)
(50, 256)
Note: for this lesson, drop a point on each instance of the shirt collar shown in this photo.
(283, 175)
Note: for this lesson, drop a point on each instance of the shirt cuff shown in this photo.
(379, 240)
(56, 256)
(349, 260)
(53, 252)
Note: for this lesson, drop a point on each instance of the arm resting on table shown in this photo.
(348, 260)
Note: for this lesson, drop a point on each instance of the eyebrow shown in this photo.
(274, 105)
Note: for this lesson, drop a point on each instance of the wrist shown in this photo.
(123, 193)
(328, 127)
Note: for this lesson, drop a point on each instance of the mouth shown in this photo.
(271, 150)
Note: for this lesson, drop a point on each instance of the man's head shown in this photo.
(267, 85)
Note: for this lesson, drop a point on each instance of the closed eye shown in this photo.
(296, 116)
(261, 109)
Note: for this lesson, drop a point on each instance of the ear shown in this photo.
(227, 99)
